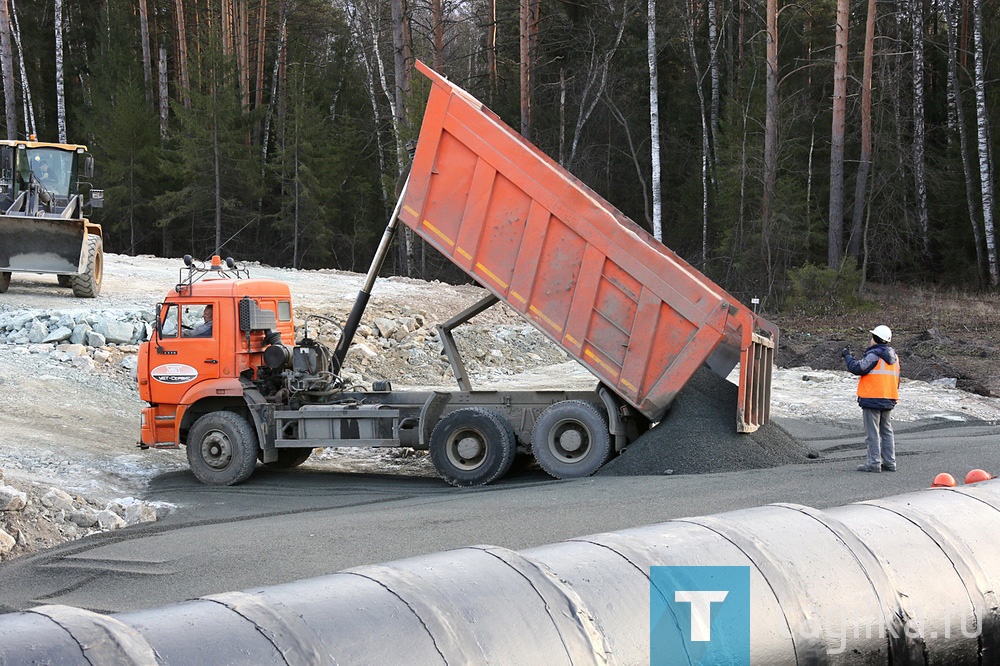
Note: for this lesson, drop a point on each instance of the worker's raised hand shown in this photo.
(845, 352)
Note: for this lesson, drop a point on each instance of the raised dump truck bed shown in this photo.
(639, 317)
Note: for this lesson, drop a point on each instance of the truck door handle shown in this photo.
(210, 360)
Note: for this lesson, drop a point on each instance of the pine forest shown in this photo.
(767, 142)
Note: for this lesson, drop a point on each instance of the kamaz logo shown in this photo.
(174, 373)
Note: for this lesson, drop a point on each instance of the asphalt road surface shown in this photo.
(284, 526)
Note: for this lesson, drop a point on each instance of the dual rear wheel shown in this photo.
(475, 446)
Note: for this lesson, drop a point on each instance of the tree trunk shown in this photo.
(770, 127)
(60, 81)
(437, 24)
(955, 101)
(401, 60)
(182, 57)
(654, 120)
(28, 105)
(713, 65)
(985, 158)
(164, 96)
(147, 65)
(919, 178)
(702, 112)
(836, 223)
(491, 46)
(865, 161)
(7, 63)
(525, 68)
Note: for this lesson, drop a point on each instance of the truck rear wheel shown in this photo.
(290, 458)
(4, 282)
(472, 447)
(222, 449)
(571, 439)
(88, 283)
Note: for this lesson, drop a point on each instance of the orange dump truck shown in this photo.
(634, 313)
(223, 376)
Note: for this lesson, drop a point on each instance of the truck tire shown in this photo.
(88, 283)
(289, 458)
(222, 449)
(4, 282)
(571, 440)
(472, 447)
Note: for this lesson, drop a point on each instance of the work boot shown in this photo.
(888, 468)
(870, 468)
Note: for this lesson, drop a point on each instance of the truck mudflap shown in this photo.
(626, 307)
(41, 244)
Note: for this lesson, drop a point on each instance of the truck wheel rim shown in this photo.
(466, 450)
(217, 450)
(569, 441)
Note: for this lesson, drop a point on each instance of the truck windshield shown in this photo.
(52, 168)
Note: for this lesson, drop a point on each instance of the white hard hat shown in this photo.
(882, 332)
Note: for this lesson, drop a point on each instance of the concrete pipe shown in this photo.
(911, 579)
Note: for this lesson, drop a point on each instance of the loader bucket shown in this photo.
(41, 244)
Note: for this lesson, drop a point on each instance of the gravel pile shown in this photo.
(698, 436)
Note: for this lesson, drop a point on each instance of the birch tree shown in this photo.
(702, 111)
(770, 125)
(7, 64)
(26, 102)
(654, 120)
(60, 84)
(956, 118)
(983, 134)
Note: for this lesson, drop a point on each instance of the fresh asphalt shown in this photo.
(284, 526)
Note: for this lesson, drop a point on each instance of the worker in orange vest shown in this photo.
(878, 393)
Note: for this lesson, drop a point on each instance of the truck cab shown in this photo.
(185, 372)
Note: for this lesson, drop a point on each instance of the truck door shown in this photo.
(178, 362)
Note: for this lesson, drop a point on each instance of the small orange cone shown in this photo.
(943, 480)
(978, 475)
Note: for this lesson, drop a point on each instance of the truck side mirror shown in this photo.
(88, 166)
(158, 326)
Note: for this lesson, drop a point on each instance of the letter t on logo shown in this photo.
(701, 610)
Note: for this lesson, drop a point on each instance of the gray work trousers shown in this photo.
(879, 437)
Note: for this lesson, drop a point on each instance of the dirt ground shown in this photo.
(937, 333)
(75, 429)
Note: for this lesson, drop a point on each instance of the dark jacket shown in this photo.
(865, 364)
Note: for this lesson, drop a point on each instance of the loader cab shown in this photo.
(56, 168)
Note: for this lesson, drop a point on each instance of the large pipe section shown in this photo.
(911, 579)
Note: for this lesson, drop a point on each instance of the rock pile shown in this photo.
(81, 327)
(39, 517)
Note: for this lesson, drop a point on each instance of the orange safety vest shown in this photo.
(881, 382)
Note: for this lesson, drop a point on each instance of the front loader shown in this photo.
(43, 229)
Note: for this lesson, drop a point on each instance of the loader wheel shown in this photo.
(88, 283)
(571, 439)
(222, 449)
(4, 282)
(290, 458)
(472, 447)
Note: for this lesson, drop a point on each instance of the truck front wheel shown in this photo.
(222, 449)
(571, 439)
(472, 447)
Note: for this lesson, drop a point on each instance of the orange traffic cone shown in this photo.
(943, 480)
(977, 475)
